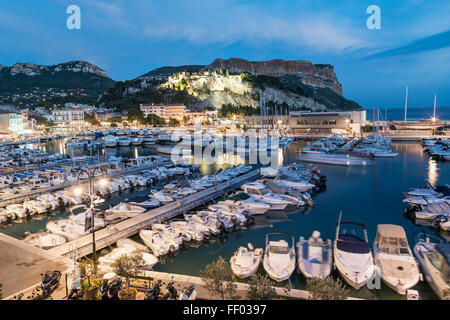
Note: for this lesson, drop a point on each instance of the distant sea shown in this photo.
(442, 113)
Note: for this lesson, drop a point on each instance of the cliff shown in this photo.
(316, 75)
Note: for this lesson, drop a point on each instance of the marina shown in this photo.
(190, 258)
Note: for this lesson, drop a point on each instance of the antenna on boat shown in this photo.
(338, 224)
(406, 101)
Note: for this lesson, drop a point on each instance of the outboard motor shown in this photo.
(50, 281)
(111, 286)
(439, 219)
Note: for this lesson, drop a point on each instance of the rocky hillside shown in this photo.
(316, 75)
(28, 83)
(297, 84)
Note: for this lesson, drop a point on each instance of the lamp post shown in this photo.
(90, 172)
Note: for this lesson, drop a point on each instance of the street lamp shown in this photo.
(91, 177)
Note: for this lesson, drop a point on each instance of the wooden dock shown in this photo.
(109, 235)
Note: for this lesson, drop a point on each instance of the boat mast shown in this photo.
(261, 108)
(406, 101)
(434, 109)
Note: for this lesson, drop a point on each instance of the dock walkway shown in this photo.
(109, 235)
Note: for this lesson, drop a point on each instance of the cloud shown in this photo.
(225, 22)
(430, 43)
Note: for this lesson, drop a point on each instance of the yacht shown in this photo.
(434, 260)
(66, 228)
(127, 209)
(170, 233)
(186, 227)
(394, 258)
(106, 261)
(314, 256)
(161, 197)
(279, 258)
(245, 261)
(336, 159)
(352, 255)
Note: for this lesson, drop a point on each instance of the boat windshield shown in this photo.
(392, 245)
(279, 249)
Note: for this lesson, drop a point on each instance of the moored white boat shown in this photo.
(314, 256)
(394, 258)
(245, 261)
(279, 258)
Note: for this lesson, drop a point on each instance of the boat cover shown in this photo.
(352, 244)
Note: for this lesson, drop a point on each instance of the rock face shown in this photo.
(31, 69)
(316, 75)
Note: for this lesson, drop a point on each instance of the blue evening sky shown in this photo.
(130, 37)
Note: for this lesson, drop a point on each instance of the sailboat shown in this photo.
(432, 123)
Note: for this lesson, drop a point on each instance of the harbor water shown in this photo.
(371, 195)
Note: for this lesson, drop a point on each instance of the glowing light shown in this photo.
(433, 119)
(433, 174)
(78, 191)
(103, 182)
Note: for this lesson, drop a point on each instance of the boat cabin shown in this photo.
(391, 239)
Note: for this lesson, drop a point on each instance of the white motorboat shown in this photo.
(245, 261)
(149, 141)
(253, 207)
(136, 141)
(301, 186)
(45, 240)
(352, 255)
(279, 258)
(127, 209)
(168, 232)
(434, 260)
(203, 218)
(259, 192)
(315, 257)
(106, 261)
(81, 220)
(128, 243)
(161, 197)
(157, 243)
(66, 228)
(110, 141)
(123, 141)
(427, 192)
(394, 258)
(186, 227)
(425, 200)
(337, 159)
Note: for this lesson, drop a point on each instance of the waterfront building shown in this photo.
(174, 111)
(11, 122)
(304, 123)
(68, 120)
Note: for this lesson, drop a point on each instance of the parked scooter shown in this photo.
(171, 293)
(153, 292)
(50, 281)
(188, 293)
(111, 286)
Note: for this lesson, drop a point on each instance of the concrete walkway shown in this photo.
(21, 265)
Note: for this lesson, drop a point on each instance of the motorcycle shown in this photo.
(188, 293)
(50, 281)
(111, 286)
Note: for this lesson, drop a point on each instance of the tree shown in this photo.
(260, 288)
(173, 122)
(91, 119)
(129, 266)
(135, 114)
(326, 289)
(217, 278)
